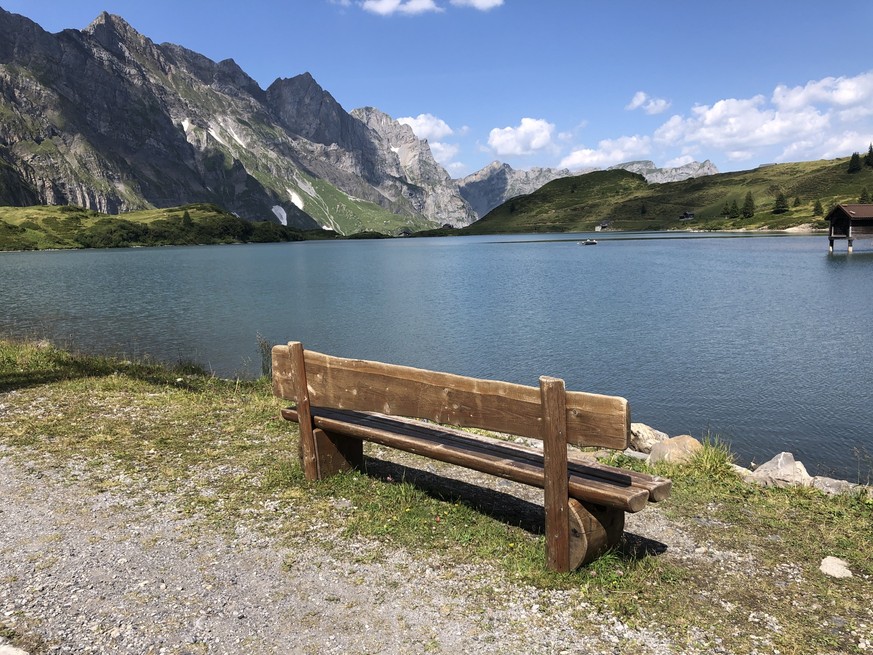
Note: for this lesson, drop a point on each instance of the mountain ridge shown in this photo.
(107, 119)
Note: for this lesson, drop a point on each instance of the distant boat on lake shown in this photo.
(588, 242)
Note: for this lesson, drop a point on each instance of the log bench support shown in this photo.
(340, 403)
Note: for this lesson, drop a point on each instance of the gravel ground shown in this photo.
(85, 571)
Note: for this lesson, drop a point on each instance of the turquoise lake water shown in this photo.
(766, 341)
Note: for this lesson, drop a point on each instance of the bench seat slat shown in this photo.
(659, 488)
(612, 488)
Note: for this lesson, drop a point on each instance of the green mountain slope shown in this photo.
(627, 202)
(66, 226)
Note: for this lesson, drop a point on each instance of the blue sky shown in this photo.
(559, 83)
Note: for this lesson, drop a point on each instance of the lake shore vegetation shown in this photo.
(773, 197)
(723, 564)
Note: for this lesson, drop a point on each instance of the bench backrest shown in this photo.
(337, 382)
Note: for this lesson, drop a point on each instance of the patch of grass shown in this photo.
(29, 643)
(218, 450)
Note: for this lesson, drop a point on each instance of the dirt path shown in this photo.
(85, 571)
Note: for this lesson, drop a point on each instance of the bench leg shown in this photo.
(336, 453)
(593, 530)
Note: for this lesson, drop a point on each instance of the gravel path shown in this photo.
(85, 571)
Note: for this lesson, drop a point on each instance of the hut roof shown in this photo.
(852, 211)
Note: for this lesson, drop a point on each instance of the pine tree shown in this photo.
(868, 158)
(818, 210)
(781, 204)
(797, 202)
(855, 163)
(735, 210)
(749, 206)
(865, 196)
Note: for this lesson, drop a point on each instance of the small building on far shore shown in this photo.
(849, 222)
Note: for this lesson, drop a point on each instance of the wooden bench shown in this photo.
(339, 403)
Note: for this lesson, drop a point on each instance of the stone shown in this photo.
(676, 450)
(742, 471)
(833, 487)
(11, 650)
(835, 567)
(644, 437)
(781, 471)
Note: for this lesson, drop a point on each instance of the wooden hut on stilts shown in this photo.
(850, 222)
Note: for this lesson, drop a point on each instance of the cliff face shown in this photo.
(655, 175)
(106, 119)
(109, 120)
(496, 183)
(431, 189)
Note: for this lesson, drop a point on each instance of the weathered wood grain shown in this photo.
(593, 531)
(507, 460)
(308, 450)
(556, 483)
(342, 402)
(592, 419)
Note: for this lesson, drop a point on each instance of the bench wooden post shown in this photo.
(308, 449)
(556, 482)
(337, 453)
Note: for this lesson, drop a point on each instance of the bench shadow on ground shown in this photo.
(503, 506)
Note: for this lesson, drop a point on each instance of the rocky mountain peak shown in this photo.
(442, 197)
(394, 132)
(113, 31)
(655, 175)
(107, 119)
(20, 37)
(498, 182)
(308, 110)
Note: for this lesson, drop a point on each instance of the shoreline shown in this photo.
(804, 229)
(171, 509)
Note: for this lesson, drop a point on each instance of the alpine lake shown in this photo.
(763, 340)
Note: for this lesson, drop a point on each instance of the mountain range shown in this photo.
(106, 119)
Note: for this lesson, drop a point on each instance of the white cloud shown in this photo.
(530, 136)
(456, 169)
(648, 104)
(836, 145)
(739, 127)
(389, 7)
(824, 118)
(427, 126)
(836, 91)
(608, 153)
(481, 5)
(679, 161)
(444, 153)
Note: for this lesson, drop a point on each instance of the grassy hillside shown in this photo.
(627, 202)
(67, 226)
(622, 199)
